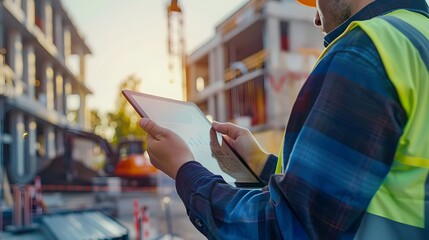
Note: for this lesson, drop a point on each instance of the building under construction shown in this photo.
(42, 65)
(250, 72)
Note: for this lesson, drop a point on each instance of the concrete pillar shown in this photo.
(82, 113)
(18, 151)
(67, 92)
(192, 75)
(50, 141)
(220, 100)
(272, 42)
(59, 35)
(272, 45)
(32, 139)
(30, 13)
(82, 65)
(15, 58)
(212, 73)
(30, 70)
(211, 106)
(47, 8)
(212, 67)
(59, 93)
(221, 110)
(67, 42)
(48, 82)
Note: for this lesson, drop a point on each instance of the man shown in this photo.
(355, 159)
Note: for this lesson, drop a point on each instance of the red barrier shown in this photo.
(137, 217)
(38, 197)
(141, 220)
(145, 222)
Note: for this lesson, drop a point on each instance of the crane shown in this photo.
(176, 46)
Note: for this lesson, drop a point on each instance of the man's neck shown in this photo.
(358, 5)
(367, 9)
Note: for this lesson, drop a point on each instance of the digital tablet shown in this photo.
(208, 147)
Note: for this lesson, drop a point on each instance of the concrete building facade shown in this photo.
(42, 83)
(251, 71)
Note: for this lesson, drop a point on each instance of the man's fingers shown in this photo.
(151, 128)
(231, 130)
(213, 138)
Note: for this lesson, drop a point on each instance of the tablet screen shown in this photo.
(186, 120)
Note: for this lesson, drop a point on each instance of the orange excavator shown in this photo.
(88, 156)
(133, 162)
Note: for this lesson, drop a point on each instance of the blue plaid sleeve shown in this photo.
(269, 168)
(339, 145)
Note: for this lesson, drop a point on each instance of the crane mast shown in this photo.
(176, 46)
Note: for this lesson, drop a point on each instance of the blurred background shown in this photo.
(72, 156)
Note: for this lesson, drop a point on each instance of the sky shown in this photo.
(129, 37)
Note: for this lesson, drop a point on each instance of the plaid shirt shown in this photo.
(339, 145)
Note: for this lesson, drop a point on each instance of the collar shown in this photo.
(377, 8)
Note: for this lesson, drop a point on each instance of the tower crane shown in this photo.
(176, 46)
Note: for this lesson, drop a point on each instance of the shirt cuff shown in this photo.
(187, 177)
(269, 168)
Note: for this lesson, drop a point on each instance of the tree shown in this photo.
(100, 124)
(125, 120)
(122, 122)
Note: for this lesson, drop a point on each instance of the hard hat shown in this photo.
(310, 3)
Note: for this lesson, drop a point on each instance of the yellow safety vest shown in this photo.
(402, 40)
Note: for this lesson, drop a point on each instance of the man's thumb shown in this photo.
(150, 127)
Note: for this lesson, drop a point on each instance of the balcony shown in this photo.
(10, 86)
(249, 64)
(16, 17)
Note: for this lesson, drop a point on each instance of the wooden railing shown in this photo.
(253, 62)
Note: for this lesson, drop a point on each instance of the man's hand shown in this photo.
(242, 140)
(167, 151)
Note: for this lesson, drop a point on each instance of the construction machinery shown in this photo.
(88, 156)
(133, 164)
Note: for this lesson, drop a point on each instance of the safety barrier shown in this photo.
(141, 220)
